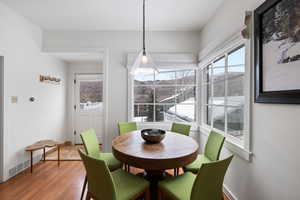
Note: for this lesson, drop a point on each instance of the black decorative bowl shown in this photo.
(153, 135)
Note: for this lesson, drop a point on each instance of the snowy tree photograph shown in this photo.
(282, 27)
(280, 36)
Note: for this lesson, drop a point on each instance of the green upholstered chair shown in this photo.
(117, 185)
(206, 185)
(181, 128)
(91, 145)
(212, 152)
(125, 127)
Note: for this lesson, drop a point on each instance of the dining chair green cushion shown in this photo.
(117, 185)
(111, 161)
(178, 187)
(209, 181)
(212, 152)
(125, 127)
(195, 166)
(100, 182)
(206, 185)
(181, 128)
(91, 145)
(128, 185)
(90, 142)
(214, 146)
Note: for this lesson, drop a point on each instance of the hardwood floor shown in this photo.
(67, 153)
(48, 182)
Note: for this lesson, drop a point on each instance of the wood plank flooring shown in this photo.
(67, 153)
(48, 182)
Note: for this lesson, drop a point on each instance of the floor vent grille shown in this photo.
(22, 166)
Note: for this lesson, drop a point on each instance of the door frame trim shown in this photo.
(100, 51)
(2, 118)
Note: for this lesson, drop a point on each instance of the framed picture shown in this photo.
(277, 52)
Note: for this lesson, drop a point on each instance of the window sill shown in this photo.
(232, 146)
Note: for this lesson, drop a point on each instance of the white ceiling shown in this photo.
(116, 15)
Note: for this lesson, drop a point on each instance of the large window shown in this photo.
(223, 83)
(167, 96)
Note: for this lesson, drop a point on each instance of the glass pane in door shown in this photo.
(91, 94)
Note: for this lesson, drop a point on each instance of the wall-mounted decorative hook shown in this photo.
(49, 79)
(32, 99)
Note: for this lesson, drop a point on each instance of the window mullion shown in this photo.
(138, 110)
(226, 93)
(212, 96)
(176, 92)
(154, 97)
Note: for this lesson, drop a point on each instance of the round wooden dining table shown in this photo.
(174, 151)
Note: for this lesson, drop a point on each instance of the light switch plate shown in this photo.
(14, 99)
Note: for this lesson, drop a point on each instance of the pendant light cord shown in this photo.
(144, 46)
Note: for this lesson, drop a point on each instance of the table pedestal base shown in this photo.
(154, 176)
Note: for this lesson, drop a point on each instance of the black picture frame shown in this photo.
(279, 97)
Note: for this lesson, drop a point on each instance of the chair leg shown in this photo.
(83, 187)
(147, 195)
(88, 196)
(176, 171)
(126, 168)
(160, 195)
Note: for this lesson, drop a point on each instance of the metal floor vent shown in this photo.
(22, 166)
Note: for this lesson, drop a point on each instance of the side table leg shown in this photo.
(31, 161)
(44, 154)
(58, 155)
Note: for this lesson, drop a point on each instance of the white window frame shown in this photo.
(242, 148)
(180, 65)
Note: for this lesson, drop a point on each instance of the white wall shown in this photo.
(119, 44)
(73, 69)
(274, 171)
(27, 122)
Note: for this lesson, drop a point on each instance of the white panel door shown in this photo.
(89, 105)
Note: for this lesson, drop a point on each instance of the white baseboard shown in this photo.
(228, 193)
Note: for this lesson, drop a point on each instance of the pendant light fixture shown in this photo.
(144, 59)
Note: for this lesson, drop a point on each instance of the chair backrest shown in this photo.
(214, 146)
(90, 142)
(125, 127)
(181, 128)
(100, 182)
(208, 184)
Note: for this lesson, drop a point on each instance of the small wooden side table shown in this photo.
(43, 144)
